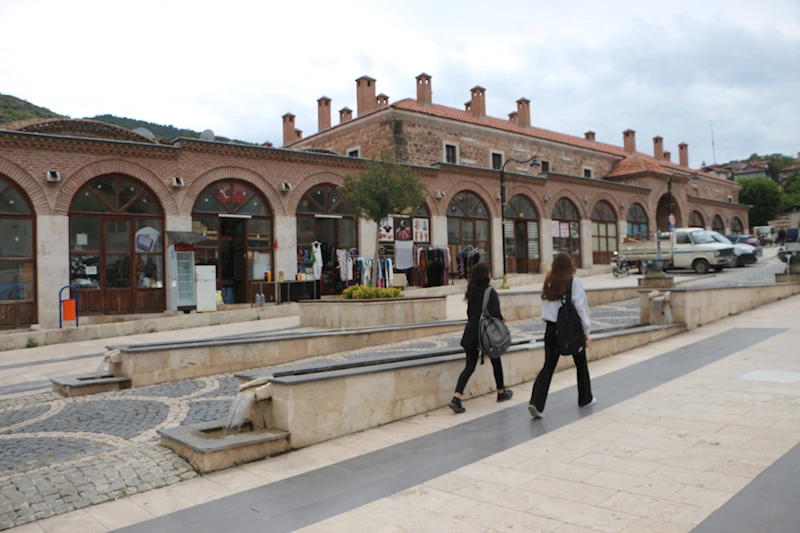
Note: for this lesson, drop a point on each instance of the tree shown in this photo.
(764, 197)
(383, 189)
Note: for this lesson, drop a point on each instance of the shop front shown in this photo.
(236, 220)
(566, 230)
(17, 257)
(717, 224)
(521, 235)
(638, 224)
(468, 233)
(116, 243)
(604, 233)
(404, 239)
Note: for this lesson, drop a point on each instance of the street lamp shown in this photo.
(534, 163)
(693, 176)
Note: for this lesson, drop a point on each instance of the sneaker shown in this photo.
(507, 394)
(455, 405)
(534, 411)
(594, 401)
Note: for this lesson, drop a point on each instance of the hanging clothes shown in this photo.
(317, 259)
(404, 254)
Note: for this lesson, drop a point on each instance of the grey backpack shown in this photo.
(493, 336)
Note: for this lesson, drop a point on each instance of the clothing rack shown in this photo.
(432, 265)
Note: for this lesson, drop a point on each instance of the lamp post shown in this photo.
(534, 163)
(693, 176)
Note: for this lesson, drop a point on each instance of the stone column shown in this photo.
(586, 243)
(497, 248)
(546, 244)
(285, 257)
(622, 233)
(438, 231)
(52, 266)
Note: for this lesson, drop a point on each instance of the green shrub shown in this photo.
(361, 292)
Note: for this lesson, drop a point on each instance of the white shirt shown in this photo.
(550, 309)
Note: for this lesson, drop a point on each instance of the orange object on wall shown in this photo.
(68, 309)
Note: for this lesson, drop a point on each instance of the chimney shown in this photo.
(288, 128)
(467, 105)
(658, 147)
(365, 95)
(345, 114)
(424, 90)
(629, 140)
(524, 112)
(668, 157)
(324, 113)
(267, 144)
(683, 154)
(589, 135)
(298, 134)
(477, 105)
(382, 101)
(512, 117)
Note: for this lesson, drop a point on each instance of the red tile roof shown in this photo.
(636, 164)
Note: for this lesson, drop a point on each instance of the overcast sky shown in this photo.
(665, 68)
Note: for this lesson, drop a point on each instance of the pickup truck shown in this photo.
(693, 248)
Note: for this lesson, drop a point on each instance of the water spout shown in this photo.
(102, 368)
(239, 410)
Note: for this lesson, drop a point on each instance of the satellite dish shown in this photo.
(144, 132)
(207, 135)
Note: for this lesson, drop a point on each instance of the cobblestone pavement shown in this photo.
(60, 454)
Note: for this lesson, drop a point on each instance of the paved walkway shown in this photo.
(681, 427)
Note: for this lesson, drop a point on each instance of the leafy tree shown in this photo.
(383, 189)
(764, 196)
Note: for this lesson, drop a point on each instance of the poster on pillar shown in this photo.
(554, 228)
(386, 230)
(421, 230)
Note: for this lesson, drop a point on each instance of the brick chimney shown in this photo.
(658, 147)
(365, 95)
(478, 103)
(381, 101)
(467, 105)
(512, 117)
(424, 89)
(668, 157)
(324, 113)
(298, 134)
(629, 141)
(288, 129)
(589, 135)
(683, 154)
(345, 114)
(524, 112)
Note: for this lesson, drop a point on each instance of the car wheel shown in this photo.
(740, 261)
(701, 266)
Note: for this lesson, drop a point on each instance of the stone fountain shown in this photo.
(655, 277)
(790, 256)
(248, 433)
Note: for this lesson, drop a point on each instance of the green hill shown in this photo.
(13, 109)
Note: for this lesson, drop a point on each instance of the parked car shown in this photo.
(765, 234)
(747, 239)
(693, 248)
(744, 254)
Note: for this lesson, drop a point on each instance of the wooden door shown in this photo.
(521, 246)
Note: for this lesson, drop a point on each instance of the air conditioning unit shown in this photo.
(177, 182)
(53, 176)
(286, 187)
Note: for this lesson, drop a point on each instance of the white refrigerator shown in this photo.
(206, 277)
(181, 279)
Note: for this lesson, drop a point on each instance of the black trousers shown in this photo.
(551, 356)
(472, 362)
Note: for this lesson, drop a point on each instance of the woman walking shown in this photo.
(559, 282)
(478, 284)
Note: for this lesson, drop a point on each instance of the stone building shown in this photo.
(97, 206)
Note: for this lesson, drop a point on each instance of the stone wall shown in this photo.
(372, 313)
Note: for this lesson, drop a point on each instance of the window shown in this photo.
(497, 161)
(354, 152)
(682, 238)
(450, 153)
(587, 172)
(545, 166)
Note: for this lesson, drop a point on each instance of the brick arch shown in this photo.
(475, 188)
(715, 214)
(644, 202)
(610, 200)
(741, 221)
(26, 182)
(530, 195)
(308, 183)
(115, 166)
(432, 203)
(566, 193)
(703, 213)
(237, 173)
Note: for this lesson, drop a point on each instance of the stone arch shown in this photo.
(115, 166)
(26, 182)
(700, 211)
(741, 224)
(572, 197)
(237, 173)
(530, 195)
(475, 188)
(714, 217)
(610, 200)
(308, 183)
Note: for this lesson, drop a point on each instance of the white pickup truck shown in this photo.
(693, 248)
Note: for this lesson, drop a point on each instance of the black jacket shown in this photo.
(474, 308)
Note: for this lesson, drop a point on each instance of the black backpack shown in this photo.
(569, 328)
(493, 336)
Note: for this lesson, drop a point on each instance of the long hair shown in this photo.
(478, 280)
(556, 283)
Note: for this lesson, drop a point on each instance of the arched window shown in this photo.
(17, 257)
(468, 229)
(696, 220)
(638, 225)
(521, 236)
(737, 228)
(717, 224)
(117, 246)
(604, 232)
(236, 219)
(567, 230)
